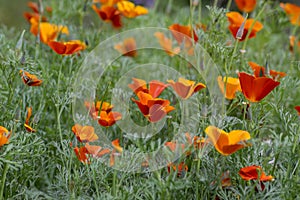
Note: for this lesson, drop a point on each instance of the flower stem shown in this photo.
(3, 180)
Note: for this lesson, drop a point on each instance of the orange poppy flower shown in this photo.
(84, 133)
(48, 32)
(186, 88)
(166, 44)
(232, 86)
(181, 168)
(256, 88)
(252, 173)
(26, 124)
(95, 150)
(259, 71)
(107, 2)
(173, 145)
(100, 106)
(30, 79)
(127, 47)
(292, 43)
(109, 119)
(183, 30)
(128, 9)
(298, 109)
(67, 48)
(34, 6)
(246, 5)
(227, 143)
(293, 11)
(35, 16)
(109, 14)
(154, 109)
(155, 87)
(116, 145)
(81, 154)
(4, 136)
(236, 20)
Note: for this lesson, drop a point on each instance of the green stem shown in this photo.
(233, 53)
(3, 180)
(95, 182)
(252, 25)
(114, 183)
(228, 4)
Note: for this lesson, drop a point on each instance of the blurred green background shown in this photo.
(11, 11)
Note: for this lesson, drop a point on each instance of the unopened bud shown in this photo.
(240, 32)
(267, 71)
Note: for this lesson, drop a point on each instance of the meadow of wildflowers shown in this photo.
(119, 99)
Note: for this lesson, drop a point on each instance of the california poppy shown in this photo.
(4, 136)
(127, 47)
(30, 79)
(116, 144)
(109, 14)
(155, 87)
(81, 154)
(298, 109)
(256, 88)
(84, 133)
(232, 86)
(236, 21)
(166, 44)
(253, 172)
(96, 151)
(27, 124)
(67, 48)
(293, 11)
(293, 42)
(109, 119)
(35, 16)
(48, 32)
(183, 30)
(107, 2)
(246, 5)
(259, 71)
(98, 106)
(186, 88)
(116, 151)
(173, 145)
(181, 168)
(154, 109)
(227, 143)
(128, 9)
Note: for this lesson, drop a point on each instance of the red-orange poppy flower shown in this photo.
(292, 44)
(96, 151)
(259, 71)
(232, 86)
(109, 119)
(166, 44)
(183, 31)
(116, 144)
(36, 16)
(236, 21)
(155, 87)
(186, 88)
(27, 124)
(128, 9)
(30, 79)
(246, 5)
(48, 32)
(227, 143)
(254, 172)
(181, 168)
(154, 109)
(84, 133)
(127, 47)
(81, 154)
(67, 48)
(293, 11)
(34, 6)
(4, 136)
(256, 88)
(99, 106)
(173, 145)
(109, 14)
(298, 109)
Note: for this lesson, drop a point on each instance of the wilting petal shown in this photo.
(252, 173)
(255, 89)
